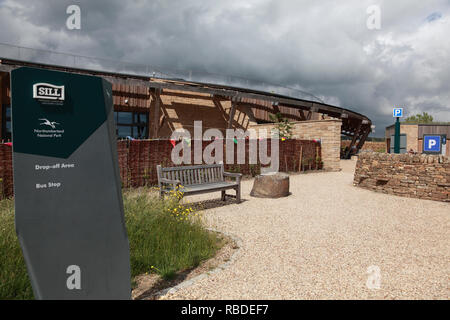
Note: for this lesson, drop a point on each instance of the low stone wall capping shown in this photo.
(415, 176)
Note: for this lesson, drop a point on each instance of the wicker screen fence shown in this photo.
(138, 160)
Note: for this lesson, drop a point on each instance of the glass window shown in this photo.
(6, 125)
(131, 124)
(123, 132)
(125, 117)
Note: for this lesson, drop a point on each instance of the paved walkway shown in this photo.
(319, 242)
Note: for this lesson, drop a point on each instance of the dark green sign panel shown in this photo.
(68, 200)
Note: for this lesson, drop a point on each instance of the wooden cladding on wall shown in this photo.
(263, 109)
(129, 96)
(5, 91)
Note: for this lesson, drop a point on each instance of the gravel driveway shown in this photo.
(319, 242)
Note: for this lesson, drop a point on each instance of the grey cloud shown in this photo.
(319, 46)
(434, 16)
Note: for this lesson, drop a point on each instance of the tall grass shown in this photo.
(164, 236)
(14, 282)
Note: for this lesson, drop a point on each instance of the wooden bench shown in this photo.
(198, 179)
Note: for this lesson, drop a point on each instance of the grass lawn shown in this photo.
(165, 237)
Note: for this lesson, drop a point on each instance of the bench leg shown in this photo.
(238, 194)
(223, 195)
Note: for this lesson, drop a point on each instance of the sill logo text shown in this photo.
(46, 91)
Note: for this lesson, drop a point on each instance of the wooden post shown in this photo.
(218, 104)
(232, 112)
(302, 114)
(317, 156)
(355, 135)
(155, 122)
(363, 139)
(300, 168)
(149, 112)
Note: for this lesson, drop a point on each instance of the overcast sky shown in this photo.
(323, 47)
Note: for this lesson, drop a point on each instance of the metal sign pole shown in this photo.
(397, 113)
(397, 136)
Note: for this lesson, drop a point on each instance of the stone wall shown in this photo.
(327, 131)
(411, 132)
(415, 176)
(373, 146)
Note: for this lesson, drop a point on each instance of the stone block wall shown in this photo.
(412, 138)
(327, 131)
(415, 176)
(373, 146)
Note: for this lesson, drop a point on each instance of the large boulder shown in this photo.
(271, 185)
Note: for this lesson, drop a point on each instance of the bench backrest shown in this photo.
(190, 175)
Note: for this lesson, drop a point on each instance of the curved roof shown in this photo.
(354, 124)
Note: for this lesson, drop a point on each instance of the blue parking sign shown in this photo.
(397, 112)
(432, 144)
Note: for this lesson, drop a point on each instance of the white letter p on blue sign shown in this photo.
(398, 112)
(431, 144)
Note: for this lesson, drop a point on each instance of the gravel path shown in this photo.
(319, 242)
